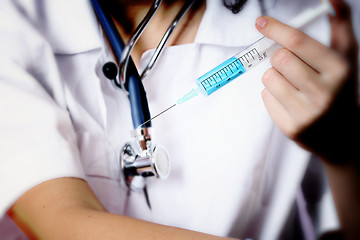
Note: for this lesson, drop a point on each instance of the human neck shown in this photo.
(184, 33)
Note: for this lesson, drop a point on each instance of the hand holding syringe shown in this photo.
(256, 53)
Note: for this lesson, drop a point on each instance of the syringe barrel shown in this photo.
(257, 53)
(220, 76)
(236, 66)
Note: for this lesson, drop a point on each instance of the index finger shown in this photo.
(304, 47)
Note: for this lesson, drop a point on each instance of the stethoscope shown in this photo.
(139, 158)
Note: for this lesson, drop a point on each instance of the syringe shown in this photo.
(249, 58)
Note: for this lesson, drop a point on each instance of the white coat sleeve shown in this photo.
(37, 140)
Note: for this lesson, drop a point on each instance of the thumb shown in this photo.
(342, 35)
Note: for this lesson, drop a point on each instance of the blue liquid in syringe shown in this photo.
(216, 78)
(221, 75)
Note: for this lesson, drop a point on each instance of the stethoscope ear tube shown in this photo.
(132, 84)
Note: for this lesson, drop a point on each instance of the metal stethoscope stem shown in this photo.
(134, 38)
(165, 38)
(139, 30)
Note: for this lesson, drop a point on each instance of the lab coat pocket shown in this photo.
(97, 155)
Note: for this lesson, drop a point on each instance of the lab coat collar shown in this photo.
(219, 28)
(69, 26)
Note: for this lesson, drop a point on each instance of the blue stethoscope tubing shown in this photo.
(133, 85)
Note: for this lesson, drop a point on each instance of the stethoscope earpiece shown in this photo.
(110, 71)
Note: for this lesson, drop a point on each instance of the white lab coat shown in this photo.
(233, 172)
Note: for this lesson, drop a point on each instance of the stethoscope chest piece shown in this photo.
(139, 160)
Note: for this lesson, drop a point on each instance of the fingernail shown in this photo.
(261, 22)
